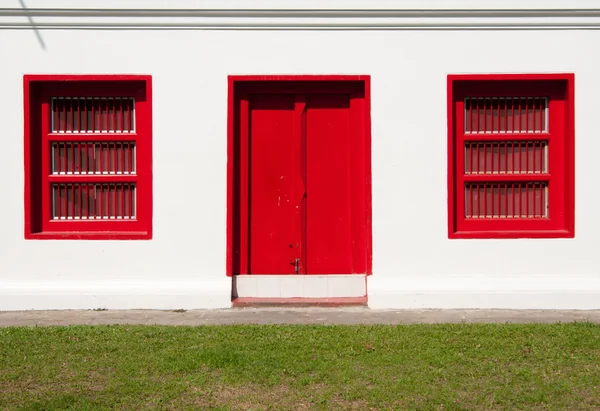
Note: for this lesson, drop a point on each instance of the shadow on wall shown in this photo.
(33, 26)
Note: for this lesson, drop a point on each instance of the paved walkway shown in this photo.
(272, 315)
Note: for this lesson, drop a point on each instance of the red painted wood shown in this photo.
(274, 231)
(39, 89)
(558, 88)
(329, 186)
(346, 99)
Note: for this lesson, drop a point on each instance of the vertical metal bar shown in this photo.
(101, 196)
(68, 115)
(484, 200)
(114, 158)
(541, 126)
(127, 207)
(126, 123)
(106, 190)
(68, 202)
(122, 196)
(471, 199)
(519, 116)
(499, 116)
(113, 194)
(492, 157)
(512, 115)
(106, 114)
(132, 205)
(120, 158)
(92, 159)
(470, 158)
(101, 162)
(78, 115)
(467, 116)
(63, 125)
(541, 201)
(77, 201)
(477, 116)
(56, 192)
(114, 115)
(498, 199)
(545, 127)
(78, 158)
(526, 157)
(102, 112)
(85, 115)
(505, 144)
(512, 157)
(63, 201)
(498, 159)
(67, 159)
(513, 199)
(126, 155)
(527, 114)
(505, 200)
(505, 101)
(525, 187)
(122, 125)
(519, 154)
(484, 158)
(471, 116)
(541, 157)
(477, 156)
(533, 202)
(485, 125)
(63, 159)
(71, 163)
(54, 116)
(93, 201)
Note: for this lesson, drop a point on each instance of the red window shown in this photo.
(88, 157)
(511, 156)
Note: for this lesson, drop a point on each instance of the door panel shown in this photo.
(328, 201)
(273, 229)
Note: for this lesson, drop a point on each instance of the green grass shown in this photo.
(487, 366)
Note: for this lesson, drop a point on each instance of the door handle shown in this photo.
(297, 265)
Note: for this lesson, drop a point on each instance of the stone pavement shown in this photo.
(289, 315)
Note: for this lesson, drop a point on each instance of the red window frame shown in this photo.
(238, 87)
(559, 176)
(38, 91)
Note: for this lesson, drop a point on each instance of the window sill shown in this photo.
(511, 234)
(89, 235)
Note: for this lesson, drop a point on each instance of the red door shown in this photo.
(275, 186)
(305, 183)
(328, 147)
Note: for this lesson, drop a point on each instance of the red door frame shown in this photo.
(359, 86)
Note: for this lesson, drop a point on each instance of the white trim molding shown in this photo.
(554, 292)
(115, 294)
(367, 17)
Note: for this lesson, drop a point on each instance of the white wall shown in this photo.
(414, 263)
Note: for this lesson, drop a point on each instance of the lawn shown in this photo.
(301, 367)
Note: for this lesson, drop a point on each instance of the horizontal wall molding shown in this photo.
(299, 19)
(552, 292)
(126, 294)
